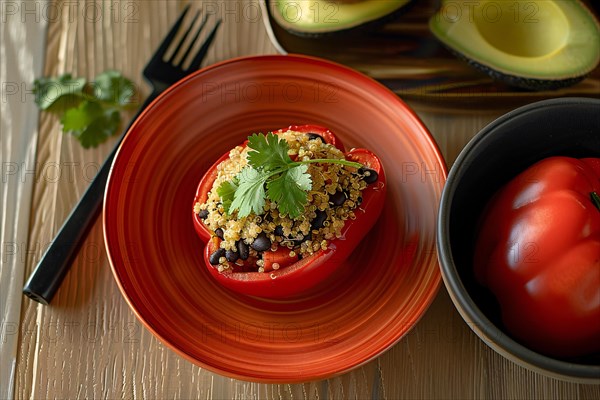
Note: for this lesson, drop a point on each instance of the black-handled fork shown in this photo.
(160, 73)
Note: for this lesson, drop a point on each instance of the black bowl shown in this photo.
(507, 146)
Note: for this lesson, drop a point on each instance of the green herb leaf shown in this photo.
(289, 189)
(58, 94)
(90, 123)
(111, 87)
(287, 181)
(250, 195)
(270, 152)
(595, 199)
(90, 111)
(226, 192)
(77, 119)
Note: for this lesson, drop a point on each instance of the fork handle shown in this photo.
(56, 261)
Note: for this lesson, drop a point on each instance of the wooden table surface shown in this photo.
(88, 343)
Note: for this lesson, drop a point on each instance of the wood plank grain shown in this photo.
(88, 343)
(21, 60)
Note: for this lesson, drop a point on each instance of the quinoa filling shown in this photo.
(334, 197)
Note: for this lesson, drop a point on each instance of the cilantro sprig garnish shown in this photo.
(90, 111)
(271, 174)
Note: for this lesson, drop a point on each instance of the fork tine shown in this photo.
(189, 49)
(162, 49)
(195, 64)
(182, 40)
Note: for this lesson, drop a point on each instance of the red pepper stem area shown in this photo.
(328, 161)
(595, 199)
(315, 161)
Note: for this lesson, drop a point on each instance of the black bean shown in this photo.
(231, 256)
(312, 136)
(219, 232)
(203, 214)
(317, 222)
(278, 230)
(337, 199)
(243, 250)
(368, 175)
(358, 201)
(261, 243)
(216, 256)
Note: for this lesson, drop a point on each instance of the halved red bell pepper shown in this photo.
(293, 276)
(538, 251)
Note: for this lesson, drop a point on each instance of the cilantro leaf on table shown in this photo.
(90, 123)
(90, 111)
(76, 119)
(58, 94)
(289, 189)
(113, 88)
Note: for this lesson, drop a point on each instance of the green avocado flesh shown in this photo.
(536, 45)
(314, 17)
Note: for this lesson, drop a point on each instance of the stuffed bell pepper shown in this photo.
(280, 213)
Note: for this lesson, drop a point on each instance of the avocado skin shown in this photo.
(531, 84)
(362, 28)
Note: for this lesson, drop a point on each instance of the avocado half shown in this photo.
(531, 44)
(319, 17)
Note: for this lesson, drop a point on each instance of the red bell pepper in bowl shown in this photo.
(538, 251)
(285, 275)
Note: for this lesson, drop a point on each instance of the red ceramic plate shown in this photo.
(157, 258)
